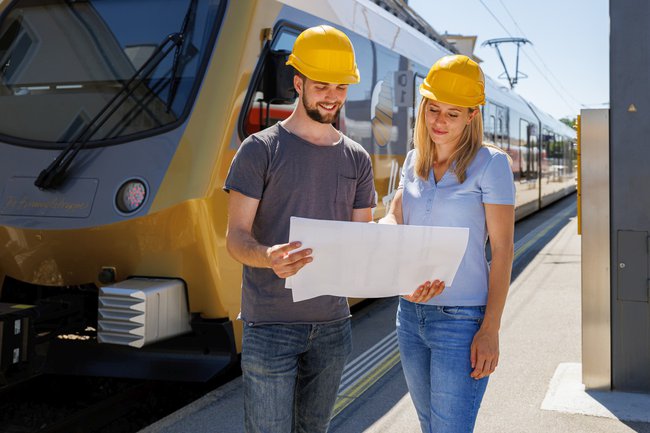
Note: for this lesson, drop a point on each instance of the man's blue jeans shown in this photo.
(291, 375)
(434, 344)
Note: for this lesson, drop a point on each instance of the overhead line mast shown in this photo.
(518, 41)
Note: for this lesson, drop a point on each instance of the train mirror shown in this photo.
(278, 79)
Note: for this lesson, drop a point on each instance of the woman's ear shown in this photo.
(472, 114)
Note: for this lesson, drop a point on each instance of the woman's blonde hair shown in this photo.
(470, 142)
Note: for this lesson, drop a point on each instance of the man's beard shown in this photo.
(314, 114)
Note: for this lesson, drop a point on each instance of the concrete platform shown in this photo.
(536, 387)
(567, 394)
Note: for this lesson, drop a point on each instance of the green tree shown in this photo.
(571, 123)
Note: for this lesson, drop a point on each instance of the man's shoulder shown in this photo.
(265, 136)
(354, 147)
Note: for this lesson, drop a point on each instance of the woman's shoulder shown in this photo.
(409, 160)
(489, 152)
(408, 168)
(410, 157)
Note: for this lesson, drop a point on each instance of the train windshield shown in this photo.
(62, 62)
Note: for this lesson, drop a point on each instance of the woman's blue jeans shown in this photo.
(291, 375)
(434, 344)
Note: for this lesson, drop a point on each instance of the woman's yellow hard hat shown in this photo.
(456, 80)
(323, 53)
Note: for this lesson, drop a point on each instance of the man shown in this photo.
(293, 354)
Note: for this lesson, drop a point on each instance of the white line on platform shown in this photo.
(567, 394)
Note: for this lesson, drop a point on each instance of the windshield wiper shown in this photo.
(54, 175)
(188, 22)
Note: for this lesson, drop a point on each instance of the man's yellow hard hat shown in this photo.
(323, 53)
(456, 80)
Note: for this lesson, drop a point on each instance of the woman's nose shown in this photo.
(438, 119)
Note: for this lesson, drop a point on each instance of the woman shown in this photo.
(450, 344)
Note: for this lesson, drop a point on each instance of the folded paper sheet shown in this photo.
(365, 260)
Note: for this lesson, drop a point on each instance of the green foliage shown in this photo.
(571, 123)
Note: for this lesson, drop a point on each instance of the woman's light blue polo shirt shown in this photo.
(449, 203)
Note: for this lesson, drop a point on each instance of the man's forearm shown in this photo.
(246, 250)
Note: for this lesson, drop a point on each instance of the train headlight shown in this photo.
(131, 196)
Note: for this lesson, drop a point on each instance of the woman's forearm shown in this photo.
(499, 283)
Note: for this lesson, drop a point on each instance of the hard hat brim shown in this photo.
(451, 98)
(351, 77)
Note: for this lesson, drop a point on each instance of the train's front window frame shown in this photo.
(285, 33)
(49, 89)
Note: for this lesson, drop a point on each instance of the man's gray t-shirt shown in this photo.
(293, 177)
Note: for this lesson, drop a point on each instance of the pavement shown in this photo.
(536, 387)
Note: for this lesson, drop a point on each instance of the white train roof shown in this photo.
(371, 21)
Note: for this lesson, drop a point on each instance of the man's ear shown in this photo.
(298, 83)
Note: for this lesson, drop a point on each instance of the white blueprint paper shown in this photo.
(365, 260)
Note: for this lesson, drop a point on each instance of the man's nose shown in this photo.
(331, 95)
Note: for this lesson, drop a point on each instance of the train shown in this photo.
(118, 123)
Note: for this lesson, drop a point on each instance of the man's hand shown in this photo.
(286, 264)
(426, 291)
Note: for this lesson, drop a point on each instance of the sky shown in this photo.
(568, 62)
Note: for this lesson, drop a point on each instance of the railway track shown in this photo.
(69, 404)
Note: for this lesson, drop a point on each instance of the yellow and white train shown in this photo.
(118, 122)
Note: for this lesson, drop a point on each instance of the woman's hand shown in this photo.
(484, 353)
(426, 291)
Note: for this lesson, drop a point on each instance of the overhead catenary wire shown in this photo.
(550, 71)
(543, 74)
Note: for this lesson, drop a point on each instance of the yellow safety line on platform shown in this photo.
(366, 381)
(552, 223)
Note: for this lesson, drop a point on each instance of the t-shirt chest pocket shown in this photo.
(345, 190)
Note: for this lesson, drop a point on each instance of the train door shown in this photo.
(272, 97)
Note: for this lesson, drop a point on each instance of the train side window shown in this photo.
(493, 129)
(523, 147)
(500, 132)
(546, 159)
(503, 135)
(353, 120)
(486, 122)
(568, 154)
(15, 45)
(417, 99)
(273, 97)
(284, 41)
(492, 123)
(533, 152)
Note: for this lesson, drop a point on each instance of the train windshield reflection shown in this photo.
(61, 62)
